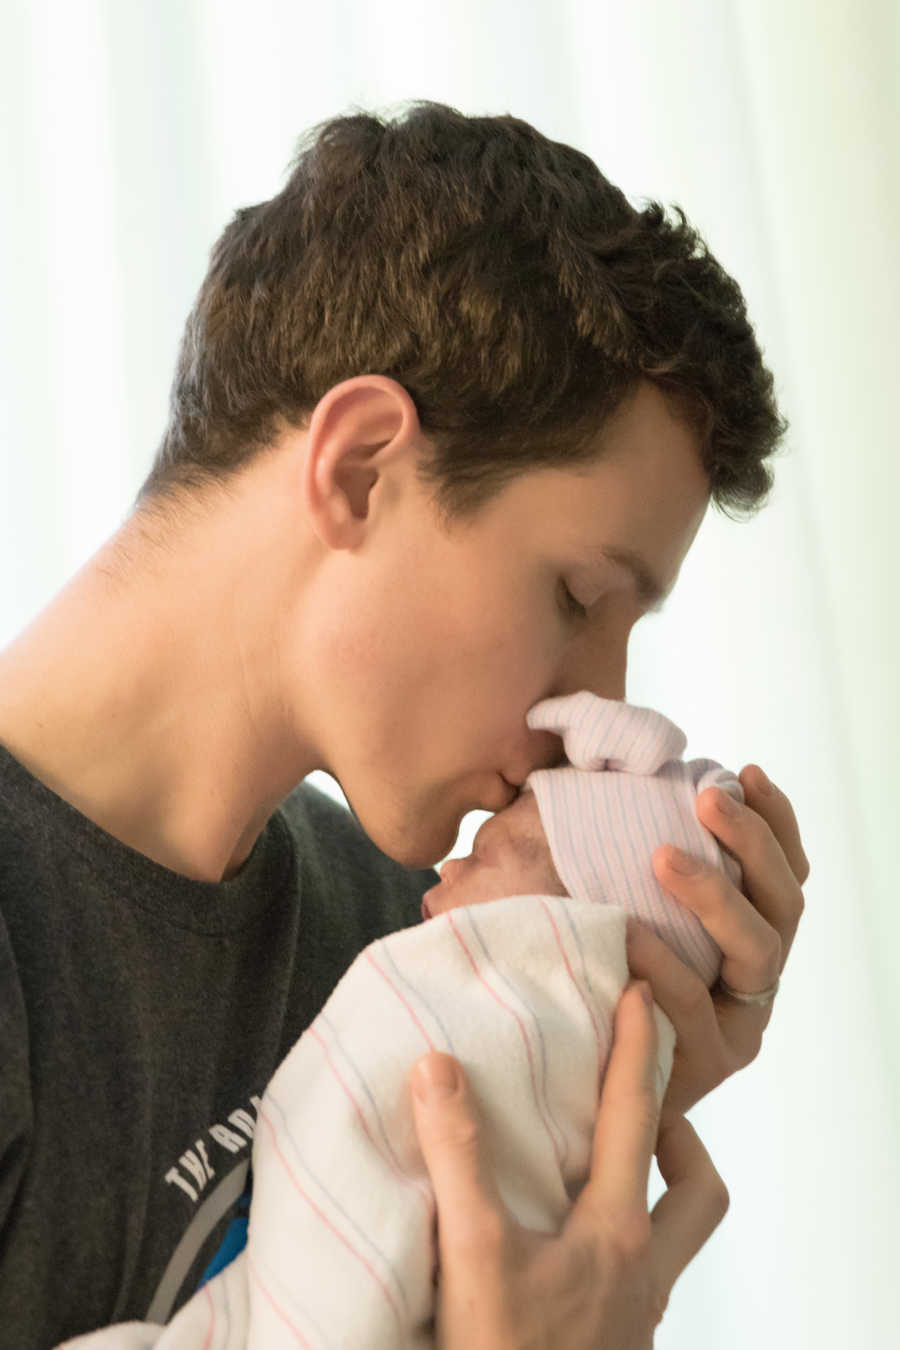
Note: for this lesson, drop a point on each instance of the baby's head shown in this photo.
(588, 828)
(510, 856)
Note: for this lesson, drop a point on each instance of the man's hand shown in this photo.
(605, 1279)
(716, 1035)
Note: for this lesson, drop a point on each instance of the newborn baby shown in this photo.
(517, 973)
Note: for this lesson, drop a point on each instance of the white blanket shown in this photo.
(340, 1250)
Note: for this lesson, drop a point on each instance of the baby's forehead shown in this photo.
(526, 810)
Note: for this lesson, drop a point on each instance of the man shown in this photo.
(375, 574)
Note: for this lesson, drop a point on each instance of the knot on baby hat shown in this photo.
(625, 791)
(600, 733)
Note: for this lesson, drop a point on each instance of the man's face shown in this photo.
(436, 645)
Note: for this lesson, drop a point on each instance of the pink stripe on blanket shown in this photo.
(424, 1196)
(324, 1219)
(279, 1311)
(494, 995)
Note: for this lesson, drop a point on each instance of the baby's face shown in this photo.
(510, 856)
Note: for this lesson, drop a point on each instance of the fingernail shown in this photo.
(683, 862)
(726, 803)
(763, 783)
(435, 1078)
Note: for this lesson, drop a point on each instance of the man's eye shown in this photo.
(573, 606)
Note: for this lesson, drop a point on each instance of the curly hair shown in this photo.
(499, 277)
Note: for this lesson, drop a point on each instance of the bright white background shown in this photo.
(132, 131)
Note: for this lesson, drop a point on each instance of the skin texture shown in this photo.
(315, 616)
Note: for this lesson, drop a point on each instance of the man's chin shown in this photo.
(415, 854)
(419, 856)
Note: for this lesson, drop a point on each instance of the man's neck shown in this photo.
(145, 701)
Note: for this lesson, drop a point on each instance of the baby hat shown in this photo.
(624, 791)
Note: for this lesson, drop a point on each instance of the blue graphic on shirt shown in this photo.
(235, 1239)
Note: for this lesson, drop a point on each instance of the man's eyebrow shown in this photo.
(651, 593)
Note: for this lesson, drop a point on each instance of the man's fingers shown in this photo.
(769, 882)
(693, 1206)
(615, 1196)
(751, 944)
(471, 1212)
(775, 808)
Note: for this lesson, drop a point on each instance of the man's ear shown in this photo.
(358, 428)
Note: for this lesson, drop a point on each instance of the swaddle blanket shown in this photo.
(523, 990)
(340, 1250)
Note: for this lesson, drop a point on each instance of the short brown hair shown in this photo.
(498, 276)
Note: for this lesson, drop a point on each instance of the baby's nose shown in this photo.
(446, 869)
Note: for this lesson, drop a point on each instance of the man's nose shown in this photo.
(546, 750)
(599, 666)
(598, 660)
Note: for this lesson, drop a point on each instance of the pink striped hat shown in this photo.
(624, 791)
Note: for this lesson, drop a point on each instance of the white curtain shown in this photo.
(131, 132)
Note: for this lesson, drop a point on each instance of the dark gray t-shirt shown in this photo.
(142, 1014)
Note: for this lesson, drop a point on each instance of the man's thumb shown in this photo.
(470, 1208)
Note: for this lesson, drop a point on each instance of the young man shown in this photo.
(375, 574)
